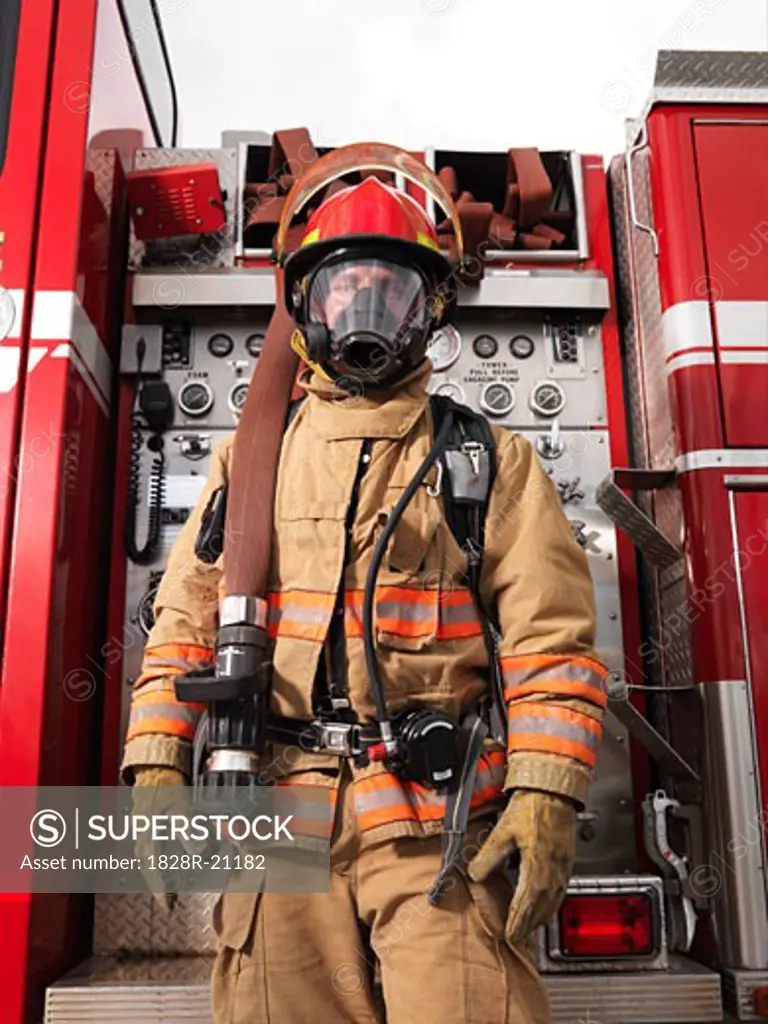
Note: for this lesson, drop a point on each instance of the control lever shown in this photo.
(551, 445)
(656, 806)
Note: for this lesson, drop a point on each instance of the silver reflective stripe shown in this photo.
(452, 614)
(300, 613)
(552, 727)
(392, 796)
(406, 612)
(566, 670)
(489, 775)
(176, 712)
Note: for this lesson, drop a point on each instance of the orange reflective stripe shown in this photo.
(299, 614)
(565, 687)
(531, 661)
(556, 729)
(155, 673)
(402, 611)
(168, 660)
(384, 799)
(553, 711)
(572, 675)
(162, 726)
(186, 652)
(539, 742)
(417, 612)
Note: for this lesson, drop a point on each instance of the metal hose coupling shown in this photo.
(236, 690)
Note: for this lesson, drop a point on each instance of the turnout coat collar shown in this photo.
(388, 413)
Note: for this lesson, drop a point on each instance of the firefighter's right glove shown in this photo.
(542, 827)
(156, 791)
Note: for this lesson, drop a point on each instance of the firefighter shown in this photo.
(365, 291)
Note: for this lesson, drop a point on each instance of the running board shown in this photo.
(174, 990)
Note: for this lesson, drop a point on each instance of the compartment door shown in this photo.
(732, 167)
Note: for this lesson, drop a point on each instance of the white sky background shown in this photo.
(474, 74)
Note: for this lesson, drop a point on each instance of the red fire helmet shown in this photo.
(369, 216)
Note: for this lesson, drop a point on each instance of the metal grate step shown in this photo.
(174, 990)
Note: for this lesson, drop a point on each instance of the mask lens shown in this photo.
(368, 296)
(376, 315)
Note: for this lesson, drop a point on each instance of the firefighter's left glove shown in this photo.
(542, 828)
(156, 790)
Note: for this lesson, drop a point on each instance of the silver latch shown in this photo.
(334, 738)
(473, 450)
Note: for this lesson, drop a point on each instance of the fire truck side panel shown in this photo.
(50, 699)
(20, 162)
(705, 600)
(732, 166)
(749, 513)
(686, 330)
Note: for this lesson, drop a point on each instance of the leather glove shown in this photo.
(152, 794)
(542, 827)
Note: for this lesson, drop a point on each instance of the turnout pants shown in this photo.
(294, 958)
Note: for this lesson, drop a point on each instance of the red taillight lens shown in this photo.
(607, 926)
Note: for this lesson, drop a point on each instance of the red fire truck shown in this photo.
(625, 333)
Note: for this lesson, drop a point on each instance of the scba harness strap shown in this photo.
(466, 473)
(466, 469)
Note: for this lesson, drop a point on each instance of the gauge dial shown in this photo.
(485, 346)
(547, 398)
(521, 346)
(445, 348)
(195, 398)
(220, 345)
(497, 398)
(254, 344)
(237, 396)
(451, 389)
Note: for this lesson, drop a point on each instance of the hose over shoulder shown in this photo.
(255, 457)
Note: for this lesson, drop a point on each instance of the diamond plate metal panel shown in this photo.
(711, 76)
(101, 163)
(133, 923)
(195, 252)
(667, 645)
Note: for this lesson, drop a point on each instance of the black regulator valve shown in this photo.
(428, 748)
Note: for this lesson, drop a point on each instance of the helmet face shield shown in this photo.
(370, 318)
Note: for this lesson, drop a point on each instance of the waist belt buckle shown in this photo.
(338, 738)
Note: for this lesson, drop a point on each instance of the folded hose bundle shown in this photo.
(531, 217)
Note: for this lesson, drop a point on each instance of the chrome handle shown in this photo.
(641, 143)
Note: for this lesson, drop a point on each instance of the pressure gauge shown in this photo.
(547, 398)
(521, 346)
(220, 345)
(445, 348)
(254, 344)
(451, 389)
(237, 396)
(497, 398)
(485, 346)
(195, 398)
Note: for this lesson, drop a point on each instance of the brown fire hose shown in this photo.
(525, 222)
(255, 457)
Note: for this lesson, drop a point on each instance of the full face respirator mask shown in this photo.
(365, 322)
